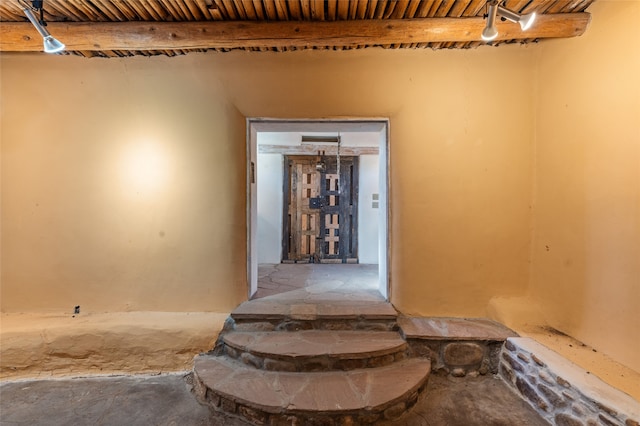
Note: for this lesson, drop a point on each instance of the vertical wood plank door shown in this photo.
(320, 209)
(301, 224)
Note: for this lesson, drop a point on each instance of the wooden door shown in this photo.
(320, 209)
(302, 221)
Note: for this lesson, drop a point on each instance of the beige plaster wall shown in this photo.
(460, 182)
(121, 187)
(586, 253)
(78, 229)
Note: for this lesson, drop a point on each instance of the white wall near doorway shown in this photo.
(368, 207)
(269, 180)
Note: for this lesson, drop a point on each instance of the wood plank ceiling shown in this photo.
(113, 28)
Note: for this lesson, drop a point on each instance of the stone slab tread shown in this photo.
(441, 328)
(317, 343)
(327, 392)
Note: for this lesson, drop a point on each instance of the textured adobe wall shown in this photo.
(586, 254)
(461, 182)
(121, 188)
(80, 227)
(42, 345)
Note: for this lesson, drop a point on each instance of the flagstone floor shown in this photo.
(281, 278)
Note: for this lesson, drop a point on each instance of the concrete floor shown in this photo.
(167, 400)
(123, 400)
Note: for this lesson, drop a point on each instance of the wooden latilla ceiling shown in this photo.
(173, 27)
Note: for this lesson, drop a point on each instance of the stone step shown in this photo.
(305, 314)
(459, 346)
(363, 396)
(315, 350)
(442, 328)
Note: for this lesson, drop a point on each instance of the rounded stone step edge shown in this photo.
(257, 415)
(315, 363)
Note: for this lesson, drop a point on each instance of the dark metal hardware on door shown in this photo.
(315, 203)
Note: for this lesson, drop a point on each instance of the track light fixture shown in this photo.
(490, 32)
(525, 21)
(51, 45)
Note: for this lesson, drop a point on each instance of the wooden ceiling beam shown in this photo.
(97, 36)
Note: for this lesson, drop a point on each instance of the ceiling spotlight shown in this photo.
(490, 32)
(51, 45)
(525, 21)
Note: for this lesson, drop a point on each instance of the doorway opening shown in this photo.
(317, 204)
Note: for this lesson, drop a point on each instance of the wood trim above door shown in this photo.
(315, 149)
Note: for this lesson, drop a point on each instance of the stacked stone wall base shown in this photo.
(562, 392)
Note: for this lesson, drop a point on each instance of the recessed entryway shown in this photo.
(318, 192)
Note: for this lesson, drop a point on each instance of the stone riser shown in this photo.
(458, 357)
(319, 363)
(289, 324)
